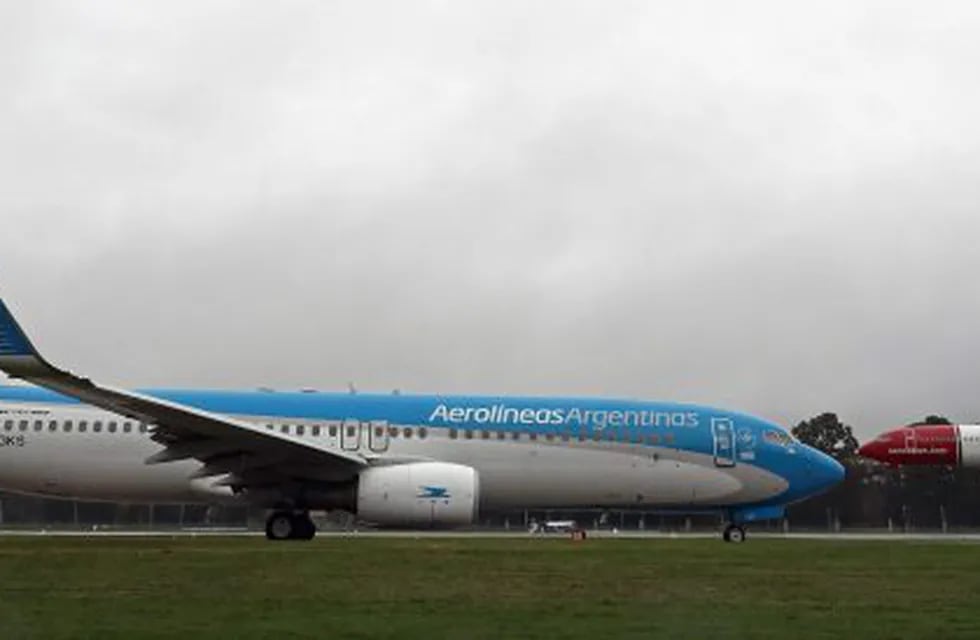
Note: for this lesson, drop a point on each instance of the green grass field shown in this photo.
(486, 588)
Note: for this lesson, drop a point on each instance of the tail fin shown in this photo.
(13, 340)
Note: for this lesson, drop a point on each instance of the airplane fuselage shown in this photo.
(528, 452)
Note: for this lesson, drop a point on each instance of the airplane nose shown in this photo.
(837, 471)
(915, 445)
(878, 449)
(868, 450)
(832, 470)
(827, 472)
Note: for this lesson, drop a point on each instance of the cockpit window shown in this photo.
(780, 438)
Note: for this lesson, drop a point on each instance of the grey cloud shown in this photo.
(760, 206)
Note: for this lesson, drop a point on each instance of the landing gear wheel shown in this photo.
(733, 533)
(303, 527)
(280, 526)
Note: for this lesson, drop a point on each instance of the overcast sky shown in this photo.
(758, 205)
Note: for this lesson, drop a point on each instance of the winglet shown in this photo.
(13, 340)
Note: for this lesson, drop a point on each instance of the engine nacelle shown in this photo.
(419, 494)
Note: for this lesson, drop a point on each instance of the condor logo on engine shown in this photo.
(433, 493)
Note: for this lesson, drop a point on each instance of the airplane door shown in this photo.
(723, 432)
(378, 436)
(350, 435)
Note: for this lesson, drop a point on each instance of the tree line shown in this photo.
(874, 495)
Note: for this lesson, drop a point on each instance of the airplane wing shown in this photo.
(245, 455)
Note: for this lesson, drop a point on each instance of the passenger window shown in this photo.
(67, 426)
(284, 428)
(351, 431)
(669, 438)
(8, 425)
(23, 425)
(533, 436)
(564, 436)
(38, 425)
(501, 435)
(300, 430)
(333, 431)
(270, 427)
(485, 435)
(143, 427)
(453, 433)
(315, 430)
(380, 431)
(82, 426)
(97, 427)
(407, 432)
(468, 434)
(610, 434)
(112, 427)
(653, 439)
(550, 437)
(515, 435)
(127, 427)
(53, 425)
(393, 431)
(596, 435)
(423, 432)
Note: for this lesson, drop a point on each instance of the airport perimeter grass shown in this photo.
(486, 588)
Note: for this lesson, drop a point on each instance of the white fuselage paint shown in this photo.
(513, 473)
(969, 443)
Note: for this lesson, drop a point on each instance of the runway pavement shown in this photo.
(878, 536)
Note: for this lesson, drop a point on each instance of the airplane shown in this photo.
(399, 460)
(926, 445)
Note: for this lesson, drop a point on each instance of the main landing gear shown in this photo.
(285, 525)
(733, 533)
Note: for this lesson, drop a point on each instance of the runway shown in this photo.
(862, 536)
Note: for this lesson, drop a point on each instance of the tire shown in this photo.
(735, 534)
(280, 526)
(304, 527)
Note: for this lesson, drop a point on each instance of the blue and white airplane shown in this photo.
(393, 460)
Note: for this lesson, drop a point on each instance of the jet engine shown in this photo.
(419, 494)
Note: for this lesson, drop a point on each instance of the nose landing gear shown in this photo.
(733, 533)
(283, 525)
